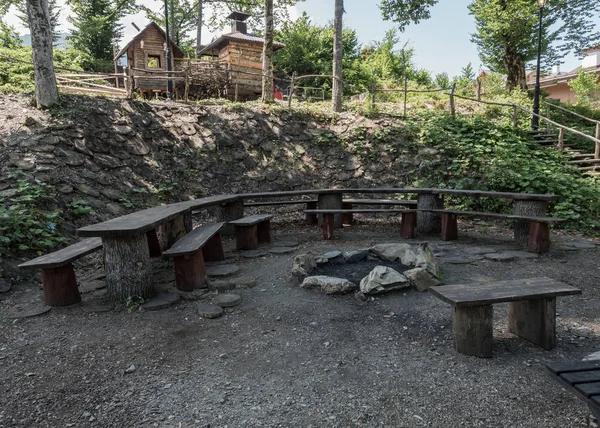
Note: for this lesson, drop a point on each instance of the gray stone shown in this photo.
(334, 257)
(130, 369)
(161, 301)
(208, 310)
(220, 271)
(26, 163)
(90, 286)
(390, 252)
(193, 295)
(221, 285)
(88, 190)
(356, 255)
(420, 278)
(580, 245)
(244, 282)
(304, 265)
(65, 188)
(479, 250)
(27, 311)
(382, 279)
(227, 300)
(329, 284)
(521, 254)
(592, 357)
(281, 250)
(5, 285)
(499, 257)
(252, 254)
(124, 130)
(137, 147)
(285, 243)
(564, 247)
(458, 260)
(107, 161)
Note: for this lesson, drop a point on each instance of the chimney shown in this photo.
(238, 22)
(556, 68)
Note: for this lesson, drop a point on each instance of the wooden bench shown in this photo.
(531, 311)
(252, 230)
(58, 276)
(311, 204)
(189, 253)
(539, 231)
(348, 204)
(582, 377)
(407, 225)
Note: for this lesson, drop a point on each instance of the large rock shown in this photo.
(329, 284)
(390, 252)
(304, 265)
(382, 279)
(355, 256)
(420, 278)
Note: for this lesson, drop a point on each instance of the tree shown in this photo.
(267, 66)
(46, 91)
(53, 11)
(336, 96)
(506, 35)
(182, 20)
(587, 88)
(403, 12)
(442, 80)
(9, 38)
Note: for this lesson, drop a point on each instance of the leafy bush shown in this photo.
(26, 220)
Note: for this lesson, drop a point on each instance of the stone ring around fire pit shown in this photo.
(382, 268)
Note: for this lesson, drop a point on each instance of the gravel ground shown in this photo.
(288, 357)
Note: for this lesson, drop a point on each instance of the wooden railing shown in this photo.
(91, 83)
(594, 121)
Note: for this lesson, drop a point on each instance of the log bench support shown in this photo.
(328, 226)
(522, 227)
(154, 246)
(534, 320)
(263, 232)
(311, 218)
(60, 286)
(472, 330)
(246, 237)
(229, 211)
(449, 227)
(539, 237)
(252, 230)
(428, 222)
(190, 272)
(347, 218)
(213, 249)
(408, 224)
(331, 202)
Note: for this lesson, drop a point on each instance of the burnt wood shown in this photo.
(65, 255)
(502, 291)
(60, 286)
(194, 240)
(251, 220)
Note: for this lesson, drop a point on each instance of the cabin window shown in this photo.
(153, 61)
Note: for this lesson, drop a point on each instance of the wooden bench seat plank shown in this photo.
(588, 376)
(502, 291)
(261, 204)
(65, 255)
(504, 195)
(588, 389)
(194, 240)
(251, 220)
(576, 366)
(497, 215)
(208, 201)
(356, 211)
(380, 202)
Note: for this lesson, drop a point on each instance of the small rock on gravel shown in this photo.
(522, 254)
(160, 301)
(286, 243)
(244, 282)
(131, 369)
(222, 270)
(31, 310)
(499, 257)
(356, 255)
(334, 257)
(281, 250)
(479, 250)
(580, 245)
(253, 254)
(5, 285)
(227, 300)
(594, 356)
(208, 310)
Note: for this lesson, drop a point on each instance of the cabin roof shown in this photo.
(239, 16)
(213, 48)
(177, 52)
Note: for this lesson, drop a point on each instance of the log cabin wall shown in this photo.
(245, 57)
(154, 44)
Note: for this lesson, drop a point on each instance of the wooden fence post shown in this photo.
(515, 116)
(478, 89)
(597, 149)
(547, 117)
(373, 96)
(452, 107)
(561, 139)
(291, 92)
(235, 98)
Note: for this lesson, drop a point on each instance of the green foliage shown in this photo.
(183, 18)
(587, 88)
(80, 207)
(442, 80)
(403, 12)
(134, 303)
(27, 221)
(53, 11)
(9, 38)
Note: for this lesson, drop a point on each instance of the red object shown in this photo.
(277, 94)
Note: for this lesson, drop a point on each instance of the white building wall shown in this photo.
(592, 59)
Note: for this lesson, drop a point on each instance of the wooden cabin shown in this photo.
(242, 53)
(146, 55)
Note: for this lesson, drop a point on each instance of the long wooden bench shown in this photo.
(582, 377)
(190, 252)
(58, 276)
(311, 204)
(348, 204)
(531, 311)
(252, 230)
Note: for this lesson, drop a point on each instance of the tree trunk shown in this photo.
(336, 99)
(46, 91)
(199, 30)
(515, 70)
(267, 68)
(522, 227)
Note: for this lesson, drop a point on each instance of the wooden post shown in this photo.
(131, 83)
(154, 247)
(597, 149)
(522, 227)
(427, 222)
(213, 249)
(116, 68)
(561, 139)
(328, 226)
(235, 97)
(291, 93)
(311, 218)
(348, 217)
(449, 227)
(408, 224)
(515, 116)
(230, 211)
(539, 238)
(478, 89)
(373, 96)
(190, 272)
(452, 107)
(472, 330)
(60, 286)
(548, 117)
(246, 237)
(332, 202)
(263, 231)
(187, 79)
(534, 320)
(171, 231)
(128, 269)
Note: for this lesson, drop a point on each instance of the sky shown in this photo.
(441, 44)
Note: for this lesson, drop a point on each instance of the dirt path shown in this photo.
(288, 357)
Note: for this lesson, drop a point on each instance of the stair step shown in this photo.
(584, 161)
(590, 168)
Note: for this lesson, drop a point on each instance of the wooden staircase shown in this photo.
(584, 161)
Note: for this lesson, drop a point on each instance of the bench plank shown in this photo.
(589, 389)
(356, 211)
(502, 291)
(65, 255)
(581, 377)
(401, 202)
(260, 204)
(192, 241)
(577, 366)
(497, 215)
(251, 220)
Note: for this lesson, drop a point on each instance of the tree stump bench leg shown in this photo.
(213, 249)
(190, 272)
(154, 246)
(472, 330)
(328, 225)
(427, 222)
(449, 227)
(331, 202)
(539, 238)
(347, 218)
(60, 286)
(246, 237)
(534, 320)
(263, 232)
(522, 227)
(172, 231)
(408, 223)
(311, 218)
(228, 212)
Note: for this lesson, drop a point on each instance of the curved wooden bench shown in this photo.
(190, 252)
(252, 230)
(583, 378)
(58, 276)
